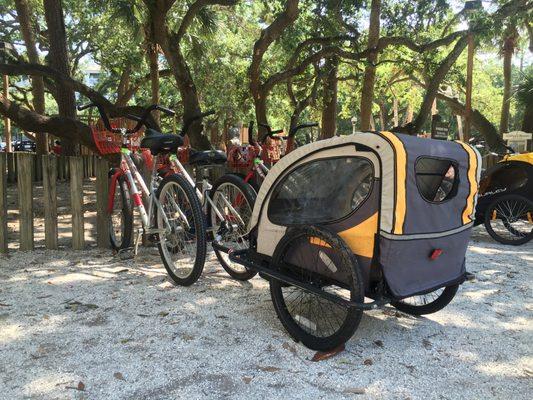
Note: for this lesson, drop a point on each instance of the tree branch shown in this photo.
(63, 127)
(269, 35)
(56, 76)
(193, 11)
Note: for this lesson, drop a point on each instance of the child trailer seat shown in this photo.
(403, 205)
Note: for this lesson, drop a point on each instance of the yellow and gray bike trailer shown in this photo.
(374, 214)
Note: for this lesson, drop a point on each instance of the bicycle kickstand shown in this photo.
(137, 240)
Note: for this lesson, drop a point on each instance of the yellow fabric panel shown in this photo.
(472, 172)
(360, 238)
(401, 168)
(526, 157)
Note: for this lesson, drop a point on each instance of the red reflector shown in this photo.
(435, 254)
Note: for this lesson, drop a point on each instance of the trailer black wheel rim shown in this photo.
(318, 322)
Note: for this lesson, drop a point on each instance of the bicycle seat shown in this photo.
(207, 157)
(159, 142)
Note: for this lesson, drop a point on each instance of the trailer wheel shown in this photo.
(318, 323)
(509, 219)
(428, 303)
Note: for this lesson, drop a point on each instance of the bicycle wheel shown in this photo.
(234, 199)
(317, 322)
(509, 219)
(428, 303)
(182, 245)
(121, 218)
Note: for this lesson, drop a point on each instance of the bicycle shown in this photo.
(505, 202)
(174, 216)
(227, 204)
(252, 156)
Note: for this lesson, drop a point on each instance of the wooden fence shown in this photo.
(25, 169)
(63, 167)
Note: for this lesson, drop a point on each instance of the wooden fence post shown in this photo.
(60, 168)
(102, 192)
(3, 202)
(38, 168)
(49, 169)
(11, 170)
(25, 193)
(76, 198)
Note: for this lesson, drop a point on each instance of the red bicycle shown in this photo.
(255, 156)
(174, 213)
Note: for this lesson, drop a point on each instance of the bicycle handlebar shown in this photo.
(272, 134)
(142, 119)
(293, 131)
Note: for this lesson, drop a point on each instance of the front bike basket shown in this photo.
(110, 143)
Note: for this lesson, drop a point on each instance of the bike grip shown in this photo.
(276, 131)
(166, 110)
(85, 106)
(207, 113)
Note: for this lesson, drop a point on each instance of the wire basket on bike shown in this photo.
(242, 156)
(272, 150)
(108, 142)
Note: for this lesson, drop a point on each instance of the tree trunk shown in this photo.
(58, 59)
(460, 127)
(268, 35)
(509, 44)
(153, 55)
(261, 110)
(124, 87)
(434, 84)
(482, 124)
(7, 121)
(170, 45)
(408, 114)
(395, 112)
(527, 122)
(469, 84)
(329, 110)
(382, 116)
(26, 28)
(367, 92)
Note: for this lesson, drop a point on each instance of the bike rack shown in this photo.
(239, 256)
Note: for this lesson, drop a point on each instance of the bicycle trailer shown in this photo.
(506, 200)
(373, 214)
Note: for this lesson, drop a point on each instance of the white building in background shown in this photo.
(91, 74)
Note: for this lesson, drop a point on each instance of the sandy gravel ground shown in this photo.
(86, 325)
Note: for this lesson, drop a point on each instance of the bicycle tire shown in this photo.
(125, 226)
(516, 238)
(195, 232)
(236, 272)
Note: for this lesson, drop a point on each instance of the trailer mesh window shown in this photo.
(321, 191)
(436, 179)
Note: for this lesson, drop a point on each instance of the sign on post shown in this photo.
(518, 140)
(439, 128)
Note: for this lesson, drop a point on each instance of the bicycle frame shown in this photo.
(130, 171)
(203, 195)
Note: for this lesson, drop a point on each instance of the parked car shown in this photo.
(24, 145)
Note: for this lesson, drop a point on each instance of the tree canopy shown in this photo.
(377, 64)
